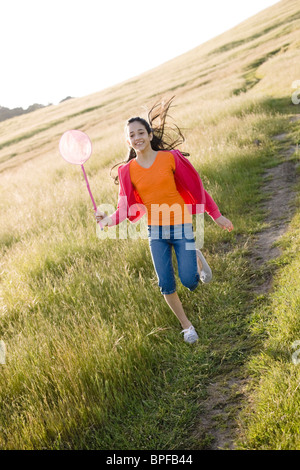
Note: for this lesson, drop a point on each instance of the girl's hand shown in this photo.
(224, 223)
(102, 217)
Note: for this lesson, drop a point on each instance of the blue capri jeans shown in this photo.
(181, 237)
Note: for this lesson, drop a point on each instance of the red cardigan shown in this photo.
(188, 183)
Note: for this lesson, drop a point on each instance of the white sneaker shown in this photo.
(190, 335)
(205, 272)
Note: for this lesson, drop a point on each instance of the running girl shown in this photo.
(156, 176)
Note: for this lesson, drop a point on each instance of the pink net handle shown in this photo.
(75, 147)
(90, 193)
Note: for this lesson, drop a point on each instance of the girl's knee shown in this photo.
(190, 282)
(168, 287)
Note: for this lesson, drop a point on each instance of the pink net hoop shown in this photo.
(75, 147)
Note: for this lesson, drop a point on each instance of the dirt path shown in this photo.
(226, 394)
(279, 205)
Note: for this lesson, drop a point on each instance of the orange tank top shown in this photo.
(157, 189)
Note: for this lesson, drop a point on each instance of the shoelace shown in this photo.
(189, 331)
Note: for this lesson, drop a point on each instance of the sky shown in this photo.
(51, 49)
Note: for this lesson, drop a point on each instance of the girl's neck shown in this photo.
(147, 156)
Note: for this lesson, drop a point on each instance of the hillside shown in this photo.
(237, 61)
(94, 357)
(7, 113)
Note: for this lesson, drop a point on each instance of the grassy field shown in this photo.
(94, 356)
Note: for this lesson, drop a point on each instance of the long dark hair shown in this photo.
(165, 137)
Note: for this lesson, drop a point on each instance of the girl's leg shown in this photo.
(161, 252)
(175, 304)
(186, 258)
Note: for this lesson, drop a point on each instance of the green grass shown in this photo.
(273, 419)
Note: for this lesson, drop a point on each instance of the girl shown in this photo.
(160, 180)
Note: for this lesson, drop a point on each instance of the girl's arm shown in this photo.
(212, 209)
(224, 223)
(118, 216)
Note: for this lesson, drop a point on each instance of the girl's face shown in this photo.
(138, 137)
